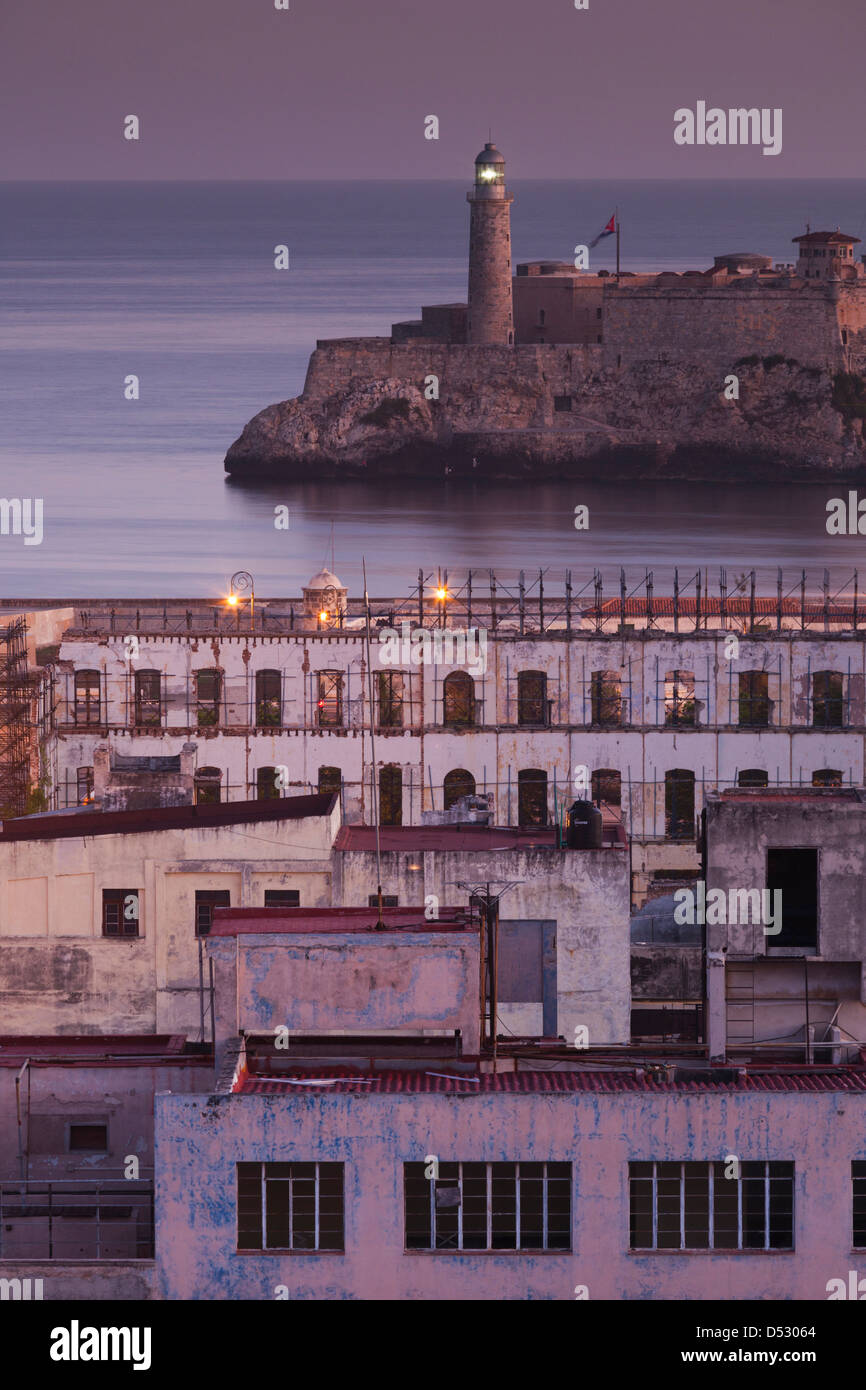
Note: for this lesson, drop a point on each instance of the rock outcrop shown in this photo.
(371, 408)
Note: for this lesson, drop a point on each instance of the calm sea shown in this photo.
(175, 283)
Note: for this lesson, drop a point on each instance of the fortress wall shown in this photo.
(340, 363)
(717, 326)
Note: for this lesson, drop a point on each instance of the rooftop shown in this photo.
(53, 825)
(239, 921)
(459, 838)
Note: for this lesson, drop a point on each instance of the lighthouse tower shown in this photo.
(491, 317)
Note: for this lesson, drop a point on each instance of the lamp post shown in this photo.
(241, 582)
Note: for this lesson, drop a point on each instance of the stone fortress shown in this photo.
(551, 370)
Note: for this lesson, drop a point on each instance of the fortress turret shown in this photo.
(491, 317)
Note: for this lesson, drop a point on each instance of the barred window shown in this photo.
(488, 1206)
(208, 695)
(755, 706)
(290, 1206)
(148, 702)
(120, 912)
(87, 701)
(694, 1206)
(606, 697)
(329, 705)
(205, 902)
(828, 705)
(269, 707)
(390, 699)
(282, 897)
(858, 1184)
(680, 705)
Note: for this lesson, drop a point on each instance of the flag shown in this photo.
(608, 230)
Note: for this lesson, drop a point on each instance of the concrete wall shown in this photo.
(314, 983)
(200, 1140)
(58, 974)
(96, 1281)
(719, 325)
(585, 892)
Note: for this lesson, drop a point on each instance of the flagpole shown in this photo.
(617, 246)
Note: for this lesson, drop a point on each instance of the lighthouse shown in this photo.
(491, 318)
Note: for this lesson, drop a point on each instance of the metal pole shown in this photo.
(374, 789)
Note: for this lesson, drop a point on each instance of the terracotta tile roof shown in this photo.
(445, 1082)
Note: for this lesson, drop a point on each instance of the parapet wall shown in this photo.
(718, 326)
(338, 364)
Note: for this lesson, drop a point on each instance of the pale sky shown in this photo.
(340, 88)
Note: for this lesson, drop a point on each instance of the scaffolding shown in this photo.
(15, 719)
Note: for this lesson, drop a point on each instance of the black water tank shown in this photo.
(584, 828)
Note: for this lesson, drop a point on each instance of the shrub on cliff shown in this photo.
(849, 395)
(387, 412)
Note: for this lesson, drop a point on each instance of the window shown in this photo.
(693, 1206)
(606, 697)
(290, 1206)
(679, 804)
(282, 897)
(87, 1138)
(330, 781)
(390, 699)
(388, 900)
(795, 873)
(858, 1184)
(607, 786)
(827, 777)
(120, 912)
(207, 784)
(266, 784)
(532, 797)
(753, 777)
(269, 707)
(390, 795)
(458, 696)
(532, 697)
(457, 783)
(205, 902)
(754, 700)
(680, 697)
(86, 697)
(562, 403)
(541, 318)
(827, 702)
(148, 703)
(488, 1206)
(83, 784)
(329, 706)
(208, 693)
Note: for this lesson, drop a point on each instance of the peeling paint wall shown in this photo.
(200, 1140)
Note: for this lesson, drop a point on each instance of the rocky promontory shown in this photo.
(373, 408)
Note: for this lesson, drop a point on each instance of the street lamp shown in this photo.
(240, 583)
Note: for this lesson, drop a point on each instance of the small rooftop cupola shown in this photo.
(325, 600)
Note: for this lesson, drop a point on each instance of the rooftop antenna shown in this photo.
(380, 925)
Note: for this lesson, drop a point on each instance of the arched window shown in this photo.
(87, 689)
(754, 698)
(532, 797)
(208, 693)
(458, 698)
(531, 697)
(269, 708)
(607, 786)
(458, 783)
(330, 781)
(390, 795)
(827, 702)
(606, 697)
(753, 777)
(680, 697)
(208, 786)
(827, 777)
(679, 804)
(266, 784)
(148, 707)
